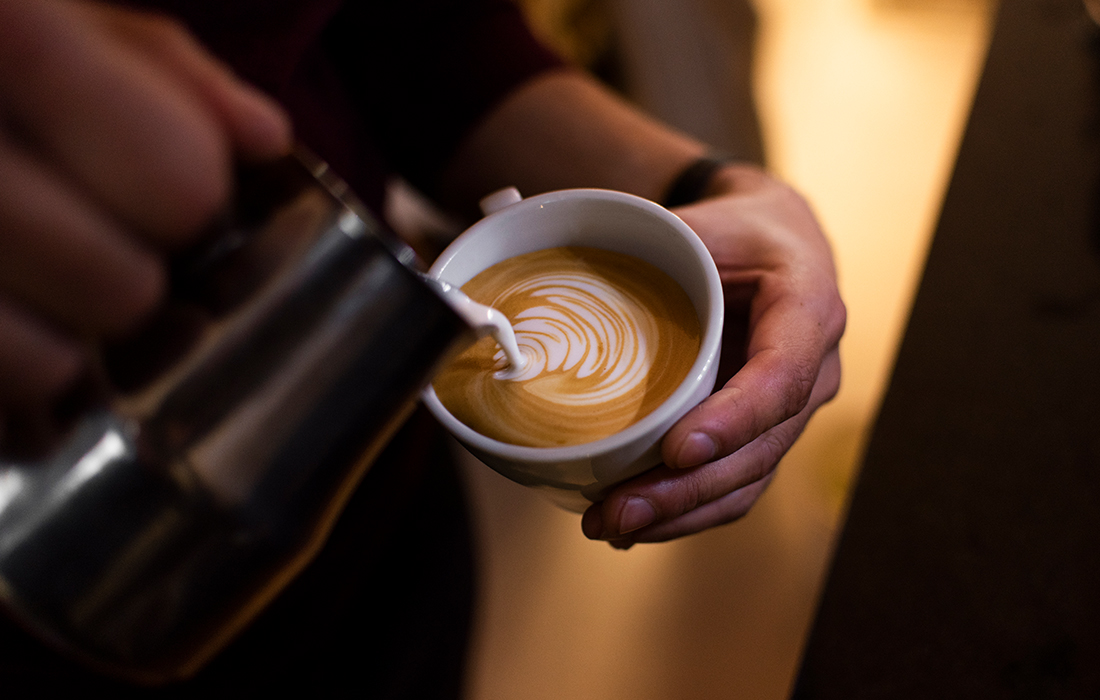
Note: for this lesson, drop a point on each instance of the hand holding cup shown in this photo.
(576, 475)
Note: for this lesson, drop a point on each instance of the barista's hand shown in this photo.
(117, 136)
(784, 321)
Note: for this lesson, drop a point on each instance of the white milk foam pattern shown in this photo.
(585, 326)
(605, 338)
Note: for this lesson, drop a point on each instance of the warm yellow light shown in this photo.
(863, 103)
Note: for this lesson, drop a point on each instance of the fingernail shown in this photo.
(592, 524)
(636, 514)
(696, 449)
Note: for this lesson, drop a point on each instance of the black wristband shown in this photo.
(690, 185)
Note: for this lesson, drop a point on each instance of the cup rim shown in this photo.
(670, 410)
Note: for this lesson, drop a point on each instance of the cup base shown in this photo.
(572, 501)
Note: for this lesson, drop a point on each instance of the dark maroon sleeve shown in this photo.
(423, 72)
(374, 85)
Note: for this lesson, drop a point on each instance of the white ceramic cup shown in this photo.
(578, 475)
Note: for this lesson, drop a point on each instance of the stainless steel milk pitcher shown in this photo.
(223, 440)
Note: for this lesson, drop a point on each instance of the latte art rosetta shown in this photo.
(605, 338)
(580, 323)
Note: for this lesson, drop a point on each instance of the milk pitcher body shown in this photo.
(221, 442)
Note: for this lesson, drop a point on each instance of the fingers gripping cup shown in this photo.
(617, 307)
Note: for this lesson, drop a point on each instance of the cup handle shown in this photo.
(499, 199)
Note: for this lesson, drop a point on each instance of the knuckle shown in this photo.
(801, 375)
(728, 490)
(837, 320)
(686, 493)
(772, 445)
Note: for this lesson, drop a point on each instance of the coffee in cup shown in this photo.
(606, 338)
(624, 226)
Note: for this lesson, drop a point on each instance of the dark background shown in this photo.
(969, 565)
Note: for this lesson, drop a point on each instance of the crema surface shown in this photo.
(606, 338)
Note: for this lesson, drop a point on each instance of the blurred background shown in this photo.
(861, 105)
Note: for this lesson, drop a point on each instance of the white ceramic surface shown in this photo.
(577, 475)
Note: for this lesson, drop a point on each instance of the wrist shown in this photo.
(697, 180)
